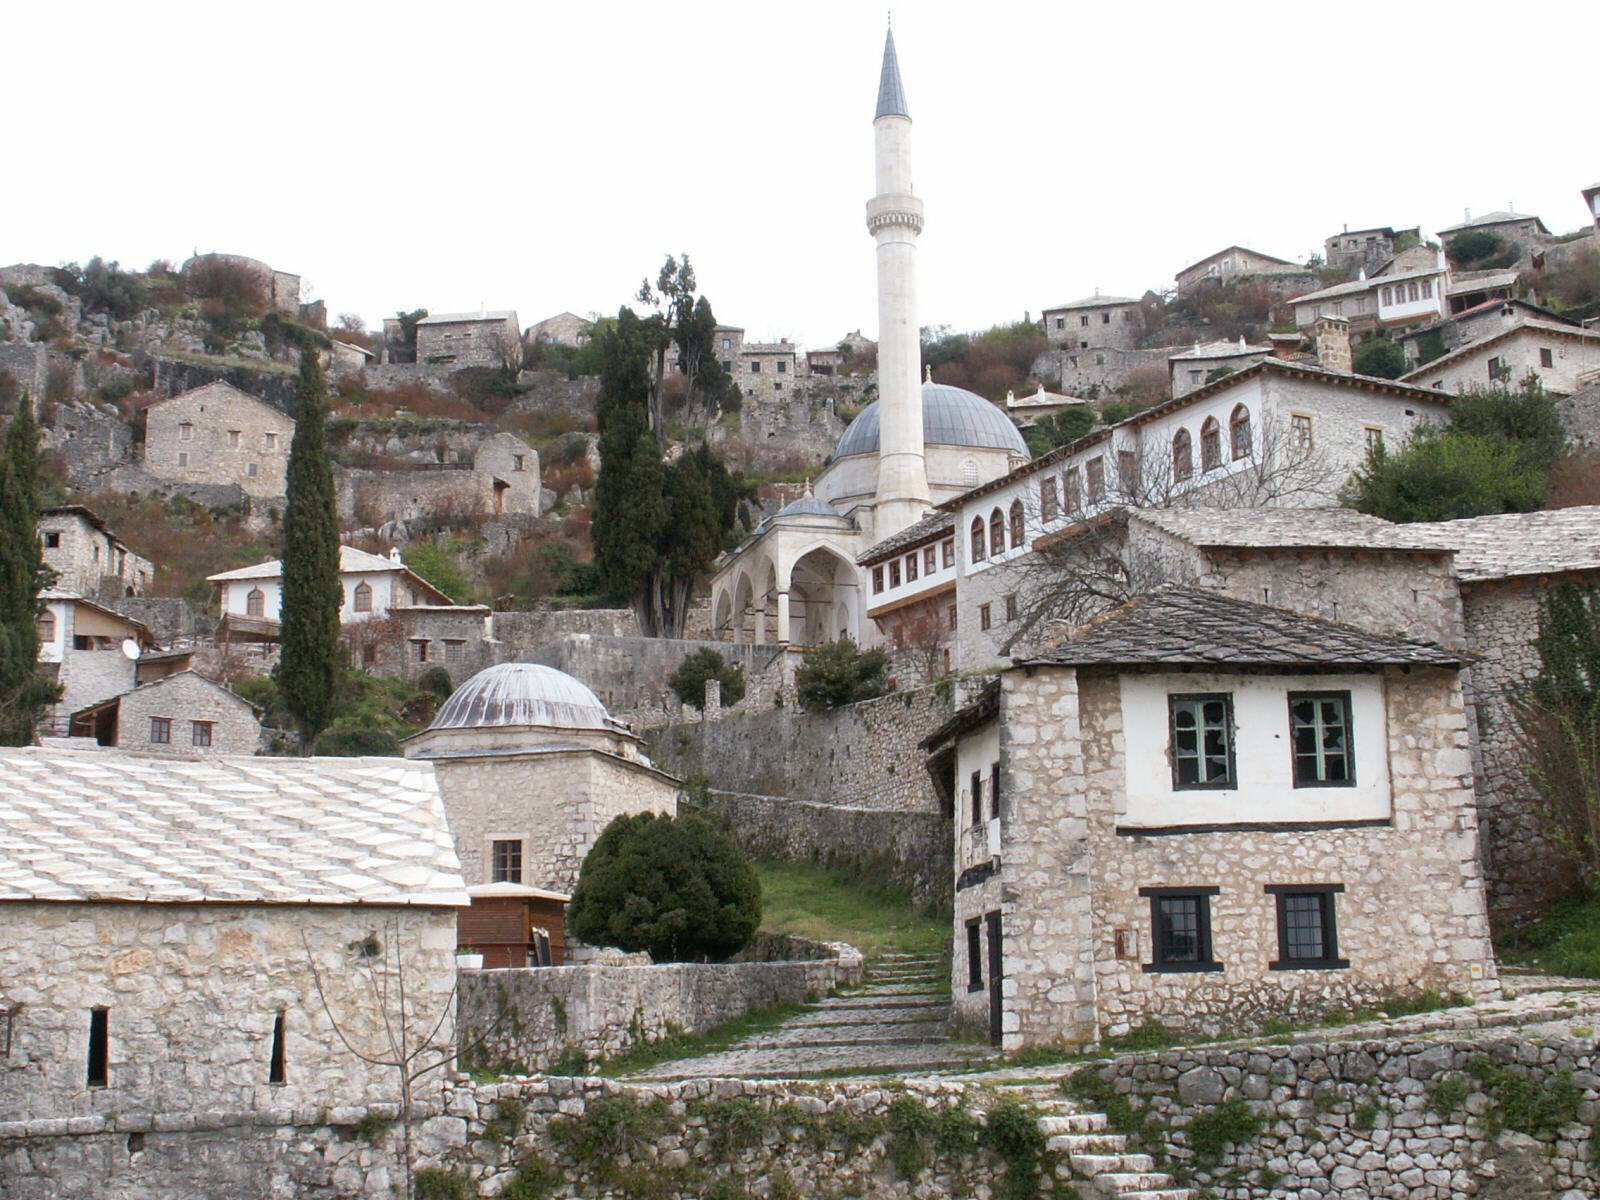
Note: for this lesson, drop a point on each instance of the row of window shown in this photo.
(1105, 319)
(782, 366)
(98, 1074)
(252, 470)
(421, 650)
(1407, 293)
(907, 569)
(255, 603)
(1180, 927)
(1201, 746)
(161, 732)
(1211, 444)
(235, 437)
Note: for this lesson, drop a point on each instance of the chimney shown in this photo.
(1333, 343)
(394, 556)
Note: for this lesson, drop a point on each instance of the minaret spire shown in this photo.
(894, 218)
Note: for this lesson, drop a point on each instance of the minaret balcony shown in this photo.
(886, 211)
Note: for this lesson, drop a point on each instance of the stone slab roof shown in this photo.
(1094, 301)
(1498, 217)
(1187, 626)
(925, 530)
(1220, 349)
(493, 314)
(1286, 528)
(87, 825)
(1507, 545)
(1534, 324)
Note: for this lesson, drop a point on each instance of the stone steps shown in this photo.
(1093, 1155)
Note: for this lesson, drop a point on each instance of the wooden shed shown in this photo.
(514, 925)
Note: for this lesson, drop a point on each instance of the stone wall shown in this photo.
(861, 756)
(24, 362)
(184, 700)
(524, 1018)
(217, 434)
(1098, 370)
(910, 849)
(172, 619)
(276, 387)
(91, 438)
(629, 674)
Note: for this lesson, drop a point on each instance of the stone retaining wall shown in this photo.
(524, 1018)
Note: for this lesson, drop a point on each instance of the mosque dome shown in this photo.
(951, 416)
(522, 694)
(807, 506)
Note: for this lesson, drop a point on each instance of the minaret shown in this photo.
(894, 218)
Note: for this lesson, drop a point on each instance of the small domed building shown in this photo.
(532, 767)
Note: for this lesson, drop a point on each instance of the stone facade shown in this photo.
(217, 434)
(1231, 263)
(186, 716)
(563, 329)
(1098, 370)
(457, 340)
(629, 674)
(1096, 321)
(88, 558)
(279, 289)
(192, 993)
(1565, 359)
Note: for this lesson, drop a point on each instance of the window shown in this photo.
(161, 731)
(1061, 323)
(186, 432)
(506, 862)
(452, 650)
(755, 367)
(1127, 472)
(877, 580)
(255, 603)
(1083, 321)
(250, 470)
(894, 573)
(1308, 937)
(1386, 297)
(1019, 527)
(1095, 473)
(1105, 318)
(99, 1047)
(1239, 432)
(1202, 740)
(1412, 293)
(1210, 445)
(1547, 357)
(1427, 289)
(272, 441)
(994, 791)
(1494, 373)
(52, 541)
(930, 560)
(1011, 606)
(974, 955)
(362, 599)
(1374, 439)
(1319, 728)
(47, 626)
(1049, 505)
(911, 567)
(419, 650)
(948, 552)
(233, 439)
(978, 552)
(985, 619)
(518, 462)
(1073, 490)
(1180, 928)
(1197, 376)
(1300, 431)
(727, 343)
(183, 458)
(977, 797)
(727, 365)
(1182, 456)
(997, 532)
(278, 1061)
(783, 367)
(200, 733)
(952, 616)
(969, 472)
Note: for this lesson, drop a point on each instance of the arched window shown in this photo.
(255, 603)
(1239, 432)
(1182, 456)
(997, 532)
(978, 553)
(1018, 529)
(363, 597)
(1210, 445)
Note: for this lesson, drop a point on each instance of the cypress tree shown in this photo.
(23, 693)
(308, 671)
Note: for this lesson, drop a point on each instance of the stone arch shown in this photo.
(822, 580)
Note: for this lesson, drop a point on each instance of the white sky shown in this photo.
(547, 157)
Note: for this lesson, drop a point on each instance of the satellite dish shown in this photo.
(130, 648)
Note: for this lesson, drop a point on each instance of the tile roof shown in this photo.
(1506, 545)
(1464, 283)
(108, 825)
(1229, 249)
(1187, 626)
(924, 530)
(1219, 349)
(1285, 528)
(351, 560)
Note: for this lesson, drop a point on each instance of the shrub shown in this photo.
(1233, 1121)
(357, 743)
(439, 565)
(1473, 245)
(433, 1183)
(437, 682)
(675, 886)
(689, 680)
(839, 673)
(1381, 357)
(1115, 411)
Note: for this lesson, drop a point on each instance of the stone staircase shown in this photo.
(1097, 1160)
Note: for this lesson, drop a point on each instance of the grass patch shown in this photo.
(834, 905)
(1565, 941)
(691, 1045)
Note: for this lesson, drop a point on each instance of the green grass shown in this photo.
(1566, 941)
(834, 905)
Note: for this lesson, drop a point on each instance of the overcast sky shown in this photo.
(546, 157)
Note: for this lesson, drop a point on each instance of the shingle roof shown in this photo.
(1285, 528)
(107, 825)
(493, 314)
(925, 530)
(1511, 544)
(1219, 349)
(1188, 626)
(1499, 217)
(1094, 301)
(1464, 283)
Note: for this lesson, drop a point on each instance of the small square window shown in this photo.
(947, 550)
(1202, 740)
(755, 367)
(984, 618)
(1319, 731)
(1547, 357)
(1308, 936)
(1083, 321)
(272, 441)
(930, 560)
(233, 439)
(452, 651)
(783, 367)
(1105, 318)
(200, 733)
(161, 730)
(250, 470)
(183, 458)
(1011, 607)
(1180, 928)
(52, 541)
(506, 866)
(419, 650)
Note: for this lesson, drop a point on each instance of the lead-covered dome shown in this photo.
(951, 416)
(522, 694)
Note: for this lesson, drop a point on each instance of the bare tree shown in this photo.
(507, 347)
(921, 642)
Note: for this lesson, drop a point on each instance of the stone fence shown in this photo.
(524, 1019)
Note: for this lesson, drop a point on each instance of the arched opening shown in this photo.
(823, 600)
(362, 600)
(978, 543)
(1239, 432)
(997, 532)
(1210, 445)
(1182, 456)
(1018, 524)
(255, 603)
(722, 617)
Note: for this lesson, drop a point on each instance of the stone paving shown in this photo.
(898, 1023)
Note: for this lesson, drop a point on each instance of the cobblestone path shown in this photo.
(897, 1023)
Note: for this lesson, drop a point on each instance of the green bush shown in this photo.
(432, 1183)
(675, 886)
(1381, 357)
(689, 680)
(1473, 245)
(1115, 411)
(357, 743)
(1059, 429)
(837, 673)
(1233, 1121)
(436, 682)
(439, 565)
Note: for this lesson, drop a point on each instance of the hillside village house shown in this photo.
(1194, 368)
(1468, 326)
(1208, 812)
(146, 973)
(1470, 289)
(765, 368)
(87, 557)
(1233, 262)
(184, 715)
(217, 434)
(94, 653)
(1096, 321)
(251, 597)
(1562, 356)
(1508, 224)
(480, 339)
(839, 358)
(563, 329)
(1408, 296)
(1369, 248)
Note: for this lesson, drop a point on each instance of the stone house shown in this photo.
(251, 597)
(93, 652)
(1564, 357)
(1470, 289)
(764, 368)
(87, 557)
(850, 351)
(1095, 321)
(480, 339)
(1233, 262)
(217, 434)
(500, 480)
(1508, 224)
(1365, 248)
(346, 358)
(1468, 326)
(563, 329)
(169, 925)
(278, 289)
(184, 715)
(1194, 368)
(532, 768)
(1207, 812)
(1398, 299)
